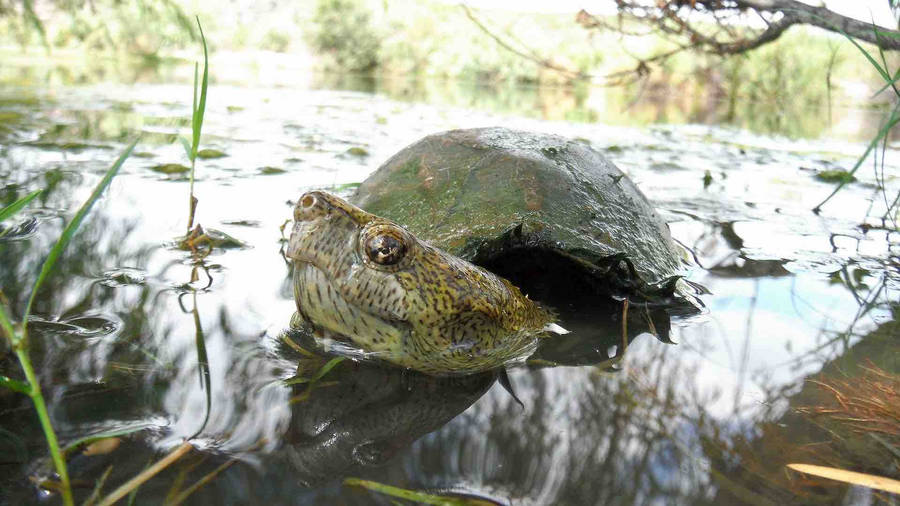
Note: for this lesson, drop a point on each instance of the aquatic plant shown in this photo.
(198, 109)
(196, 238)
(891, 119)
(18, 337)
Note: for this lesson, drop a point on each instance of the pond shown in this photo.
(130, 336)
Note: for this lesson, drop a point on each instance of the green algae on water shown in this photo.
(170, 168)
(835, 176)
(208, 153)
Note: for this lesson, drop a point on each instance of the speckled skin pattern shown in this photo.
(415, 305)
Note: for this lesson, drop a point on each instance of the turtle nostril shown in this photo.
(308, 201)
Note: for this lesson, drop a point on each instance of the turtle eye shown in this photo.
(385, 249)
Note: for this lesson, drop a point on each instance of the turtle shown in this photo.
(534, 206)
(417, 278)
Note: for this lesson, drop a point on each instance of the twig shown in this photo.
(148, 473)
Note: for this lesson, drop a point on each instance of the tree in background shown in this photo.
(342, 30)
(725, 27)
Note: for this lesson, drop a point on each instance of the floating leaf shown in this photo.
(170, 168)
(66, 146)
(835, 176)
(271, 170)
(102, 447)
(10, 117)
(206, 154)
(358, 151)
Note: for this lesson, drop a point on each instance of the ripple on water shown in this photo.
(17, 231)
(123, 276)
(83, 327)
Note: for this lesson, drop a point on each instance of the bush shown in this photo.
(342, 32)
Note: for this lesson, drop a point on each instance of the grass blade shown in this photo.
(319, 374)
(194, 137)
(70, 229)
(891, 122)
(148, 473)
(186, 144)
(881, 70)
(416, 496)
(854, 478)
(6, 323)
(98, 488)
(202, 365)
(180, 498)
(15, 385)
(199, 107)
(16, 206)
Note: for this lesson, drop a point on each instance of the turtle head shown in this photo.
(361, 277)
(327, 229)
(347, 261)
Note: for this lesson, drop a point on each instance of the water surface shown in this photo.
(712, 419)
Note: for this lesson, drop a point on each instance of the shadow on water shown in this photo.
(125, 341)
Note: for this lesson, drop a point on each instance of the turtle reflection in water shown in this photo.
(540, 209)
(362, 414)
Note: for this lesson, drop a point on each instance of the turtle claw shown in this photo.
(507, 385)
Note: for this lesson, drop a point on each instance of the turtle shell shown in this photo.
(521, 202)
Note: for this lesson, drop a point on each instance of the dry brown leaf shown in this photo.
(102, 447)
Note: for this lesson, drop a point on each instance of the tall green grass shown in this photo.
(198, 110)
(891, 119)
(18, 334)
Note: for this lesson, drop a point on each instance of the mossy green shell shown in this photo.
(478, 193)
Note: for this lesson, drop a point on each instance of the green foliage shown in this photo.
(198, 110)
(342, 31)
(138, 27)
(881, 66)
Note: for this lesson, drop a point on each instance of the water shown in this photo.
(712, 419)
